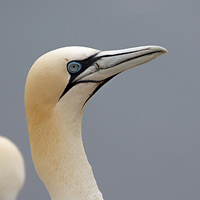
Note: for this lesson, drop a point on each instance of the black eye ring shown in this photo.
(74, 67)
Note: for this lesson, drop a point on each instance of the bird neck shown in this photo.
(59, 156)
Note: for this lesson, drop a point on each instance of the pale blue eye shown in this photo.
(74, 67)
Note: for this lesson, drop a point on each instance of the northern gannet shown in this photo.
(58, 86)
(12, 172)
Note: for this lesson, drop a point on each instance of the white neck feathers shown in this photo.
(59, 155)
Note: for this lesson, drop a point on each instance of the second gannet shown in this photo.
(12, 170)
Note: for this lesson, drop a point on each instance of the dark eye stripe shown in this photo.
(84, 65)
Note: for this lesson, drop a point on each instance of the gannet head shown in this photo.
(81, 71)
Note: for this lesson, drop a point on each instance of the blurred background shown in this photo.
(141, 131)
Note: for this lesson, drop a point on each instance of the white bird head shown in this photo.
(58, 86)
(57, 74)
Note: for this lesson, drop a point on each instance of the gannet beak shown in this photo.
(107, 64)
(104, 65)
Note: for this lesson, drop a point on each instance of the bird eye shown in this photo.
(74, 67)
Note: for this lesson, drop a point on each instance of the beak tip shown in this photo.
(159, 49)
(164, 50)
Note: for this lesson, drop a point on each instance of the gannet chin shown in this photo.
(58, 86)
(12, 172)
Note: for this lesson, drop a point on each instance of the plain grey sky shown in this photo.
(141, 131)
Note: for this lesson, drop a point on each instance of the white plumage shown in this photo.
(12, 170)
(58, 86)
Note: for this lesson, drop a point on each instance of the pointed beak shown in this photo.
(107, 64)
(104, 65)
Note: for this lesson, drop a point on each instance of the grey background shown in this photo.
(141, 130)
